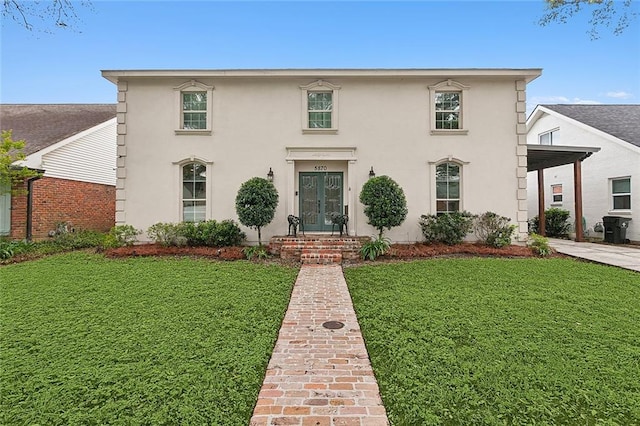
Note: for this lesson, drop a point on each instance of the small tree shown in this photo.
(11, 175)
(385, 203)
(256, 204)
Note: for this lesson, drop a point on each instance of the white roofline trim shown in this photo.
(540, 110)
(528, 74)
(34, 160)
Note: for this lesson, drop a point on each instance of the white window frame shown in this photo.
(552, 134)
(621, 194)
(449, 86)
(319, 86)
(193, 86)
(553, 195)
(432, 177)
(178, 179)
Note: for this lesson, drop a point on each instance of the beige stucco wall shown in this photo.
(384, 123)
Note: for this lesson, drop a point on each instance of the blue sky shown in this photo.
(64, 66)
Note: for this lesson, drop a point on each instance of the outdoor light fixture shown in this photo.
(270, 175)
(372, 174)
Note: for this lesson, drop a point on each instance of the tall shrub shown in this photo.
(385, 203)
(256, 204)
(556, 223)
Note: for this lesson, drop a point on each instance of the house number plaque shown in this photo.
(320, 168)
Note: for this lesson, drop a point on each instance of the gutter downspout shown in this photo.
(30, 206)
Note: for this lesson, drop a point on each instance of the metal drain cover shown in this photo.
(333, 325)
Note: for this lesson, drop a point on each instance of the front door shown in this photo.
(320, 195)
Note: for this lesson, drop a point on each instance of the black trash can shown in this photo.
(615, 229)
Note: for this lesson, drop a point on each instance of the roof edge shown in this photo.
(528, 74)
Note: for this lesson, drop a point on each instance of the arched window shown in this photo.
(194, 192)
(448, 187)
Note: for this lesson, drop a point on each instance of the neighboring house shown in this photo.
(610, 178)
(75, 147)
(453, 139)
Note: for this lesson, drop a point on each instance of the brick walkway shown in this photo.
(319, 376)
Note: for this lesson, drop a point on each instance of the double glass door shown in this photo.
(320, 196)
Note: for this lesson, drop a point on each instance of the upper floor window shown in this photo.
(556, 194)
(548, 138)
(621, 193)
(194, 110)
(320, 111)
(447, 188)
(194, 102)
(194, 192)
(448, 108)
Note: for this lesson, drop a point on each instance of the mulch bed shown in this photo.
(396, 252)
(222, 253)
(420, 250)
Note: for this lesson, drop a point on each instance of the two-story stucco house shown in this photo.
(454, 139)
(610, 183)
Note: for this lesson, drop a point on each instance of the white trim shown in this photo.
(528, 74)
(320, 86)
(193, 86)
(449, 86)
(178, 185)
(540, 110)
(432, 179)
(612, 209)
(347, 154)
(34, 160)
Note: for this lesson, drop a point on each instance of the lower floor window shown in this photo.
(447, 188)
(556, 192)
(194, 192)
(621, 191)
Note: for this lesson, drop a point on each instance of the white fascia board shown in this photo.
(528, 74)
(538, 111)
(34, 161)
(608, 136)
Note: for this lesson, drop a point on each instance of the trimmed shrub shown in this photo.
(448, 228)
(385, 203)
(256, 204)
(493, 230)
(556, 223)
(209, 233)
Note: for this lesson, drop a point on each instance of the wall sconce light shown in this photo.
(372, 174)
(270, 175)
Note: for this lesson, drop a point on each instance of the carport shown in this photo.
(540, 157)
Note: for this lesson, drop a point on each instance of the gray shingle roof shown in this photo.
(621, 121)
(42, 125)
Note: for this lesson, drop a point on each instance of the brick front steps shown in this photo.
(317, 249)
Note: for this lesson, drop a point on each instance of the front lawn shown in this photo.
(86, 340)
(502, 341)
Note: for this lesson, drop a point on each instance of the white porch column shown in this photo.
(352, 197)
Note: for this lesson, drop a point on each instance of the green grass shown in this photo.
(85, 340)
(496, 341)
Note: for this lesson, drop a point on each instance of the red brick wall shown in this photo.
(83, 205)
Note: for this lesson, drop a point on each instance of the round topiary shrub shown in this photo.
(256, 204)
(385, 203)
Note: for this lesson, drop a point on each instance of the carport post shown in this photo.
(577, 191)
(541, 219)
